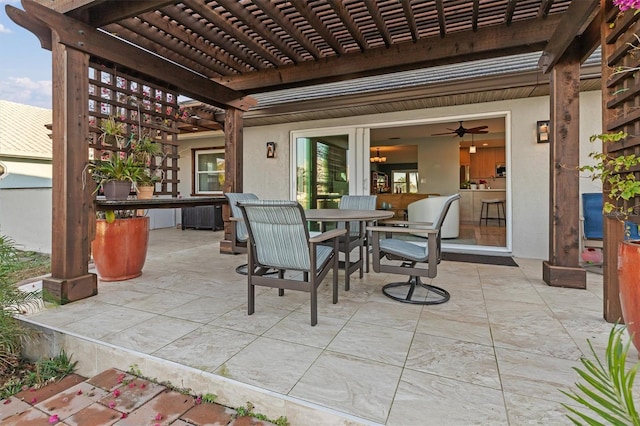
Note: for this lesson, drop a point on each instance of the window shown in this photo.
(209, 171)
(405, 181)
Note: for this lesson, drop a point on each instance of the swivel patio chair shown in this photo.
(411, 253)
(279, 239)
(239, 233)
(357, 237)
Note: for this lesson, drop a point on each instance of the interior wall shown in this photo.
(438, 166)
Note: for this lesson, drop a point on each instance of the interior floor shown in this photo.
(483, 235)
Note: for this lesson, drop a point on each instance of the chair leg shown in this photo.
(347, 265)
(435, 295)
(251, 303)
(314, 301)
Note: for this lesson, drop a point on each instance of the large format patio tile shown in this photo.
(455, 359)
(151, 335)
(354, 385)
(427, 399)
(205, 348)
(270, 364)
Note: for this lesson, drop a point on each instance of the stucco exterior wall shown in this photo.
(528, 175)
(25, 217)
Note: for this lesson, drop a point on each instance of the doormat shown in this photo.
(479, 258)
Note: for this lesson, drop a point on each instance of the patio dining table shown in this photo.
(346, 216)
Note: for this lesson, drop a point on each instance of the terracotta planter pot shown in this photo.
(629, 282)
(145, 192)
(120, 248)
(117, 190)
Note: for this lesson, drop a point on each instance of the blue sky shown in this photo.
(25, 67)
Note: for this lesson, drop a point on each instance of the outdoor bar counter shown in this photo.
(159, 203)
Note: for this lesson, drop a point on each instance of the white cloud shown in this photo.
(4, 29)
(23, 90)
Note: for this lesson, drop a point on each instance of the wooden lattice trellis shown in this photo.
(622, 92)
(145, 109)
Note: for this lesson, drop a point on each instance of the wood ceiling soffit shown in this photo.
(42, 32)
(166, 47)
(235, 8)
(190, 42)
(577, 17)
(269, 9)
(85, 38)
(520, 37)
(242, 41)
(105, 13)
(310, 15)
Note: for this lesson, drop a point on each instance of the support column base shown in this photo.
(564, 276)
(62, 291)
(226, 247)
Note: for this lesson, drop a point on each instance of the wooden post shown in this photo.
(562, 269)
(72, 200)
(233, 124)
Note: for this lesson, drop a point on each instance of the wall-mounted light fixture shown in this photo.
(542, 129)
(472, 148)
(377, 158)
(271, 149)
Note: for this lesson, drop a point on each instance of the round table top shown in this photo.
(346, 214)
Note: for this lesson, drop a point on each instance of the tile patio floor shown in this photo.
(496, 353)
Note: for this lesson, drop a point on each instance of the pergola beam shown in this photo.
(579, 13)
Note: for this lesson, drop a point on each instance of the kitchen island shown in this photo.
(471, 202)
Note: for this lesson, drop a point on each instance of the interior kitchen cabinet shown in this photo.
(482, 164)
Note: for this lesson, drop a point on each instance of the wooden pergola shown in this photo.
(221, 51)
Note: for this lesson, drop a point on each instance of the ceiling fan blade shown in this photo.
(453, 131)
(475, 132)
(473, 129)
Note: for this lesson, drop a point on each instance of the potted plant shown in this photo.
(622, 201)
(115, 173)
(119, 248)
(146, 151)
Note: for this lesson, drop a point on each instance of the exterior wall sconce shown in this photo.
(377, 158)
(271, 149)
(542, 129)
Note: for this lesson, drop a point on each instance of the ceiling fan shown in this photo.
(461, 131)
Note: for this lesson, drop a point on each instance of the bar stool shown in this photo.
(484, 211)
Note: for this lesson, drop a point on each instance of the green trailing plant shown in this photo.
(616, 172)
(607, 388)
(13, 302)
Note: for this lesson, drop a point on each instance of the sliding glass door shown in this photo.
(323, 163)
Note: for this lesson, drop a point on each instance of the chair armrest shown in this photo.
(402, 230)
(404, 222)
(327, 235)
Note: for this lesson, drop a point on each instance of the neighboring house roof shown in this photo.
(18, 181)
(22, 131)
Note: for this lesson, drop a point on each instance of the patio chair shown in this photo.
(239, 233)
(357, 237)
(411, 253)
(279, 239)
